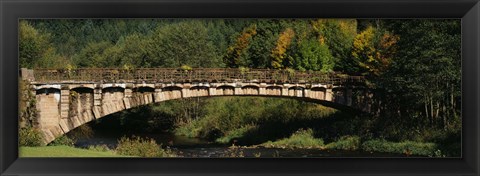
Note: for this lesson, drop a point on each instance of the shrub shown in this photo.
(300, 139)
(62, 140)
(243, 70)
(186, 68)
(27, 105)
(291, 72)
(345, 143)
(136, 146)
(30, 137)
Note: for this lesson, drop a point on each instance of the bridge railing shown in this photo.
(193, 75)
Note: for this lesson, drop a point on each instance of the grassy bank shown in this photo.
(299, 139)
(305, 139)
(64, 151)
(134, 146)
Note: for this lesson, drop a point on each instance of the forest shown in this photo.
(414, 66)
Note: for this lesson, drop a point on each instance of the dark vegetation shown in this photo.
(142, 147)
(414, 66)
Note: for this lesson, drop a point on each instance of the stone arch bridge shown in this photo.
(66, 99)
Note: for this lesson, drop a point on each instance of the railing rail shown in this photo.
(193, 75)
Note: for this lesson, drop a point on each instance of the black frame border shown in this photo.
(467, 10)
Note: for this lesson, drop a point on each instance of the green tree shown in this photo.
(314, 55)
(219, 34)
(338, 34)
(93, 55)
(129, 50)
(182, 43)
(35, 49)
(262, 44)
(427, 71)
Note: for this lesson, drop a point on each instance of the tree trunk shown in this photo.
(426, 111)
(431, 111)
(444, 117)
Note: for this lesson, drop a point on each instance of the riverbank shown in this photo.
(64, 151)
(301, 143)
(304, 139)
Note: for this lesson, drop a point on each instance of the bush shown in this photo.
(136, 146)
(406, 147)
(243, 70)
(62, 140)
(345, 143)
(186, 68)
(30, 137)
(300, 139)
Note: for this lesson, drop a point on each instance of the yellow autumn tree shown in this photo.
(234, 52)
(373, 50)
(279, 52)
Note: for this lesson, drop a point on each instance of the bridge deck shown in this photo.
(193, 75)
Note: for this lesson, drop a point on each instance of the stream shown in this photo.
(195, 147)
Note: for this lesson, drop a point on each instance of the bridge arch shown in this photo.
(199, 90)
(144, 86)
(89, 86)
(250, 90)
(48, 86)
(224, 90)
(297, 91)
(47, 90)
(274, 90)
(144, 89)
(318, 92)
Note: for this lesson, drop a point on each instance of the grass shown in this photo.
(63, 151)
(299, 139)
(305, 139)
(345, 143)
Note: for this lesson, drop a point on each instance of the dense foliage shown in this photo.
(62, 140)
(28, 132)
(137, 146)
(29, 136)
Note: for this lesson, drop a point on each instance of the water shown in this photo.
(195, 147)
